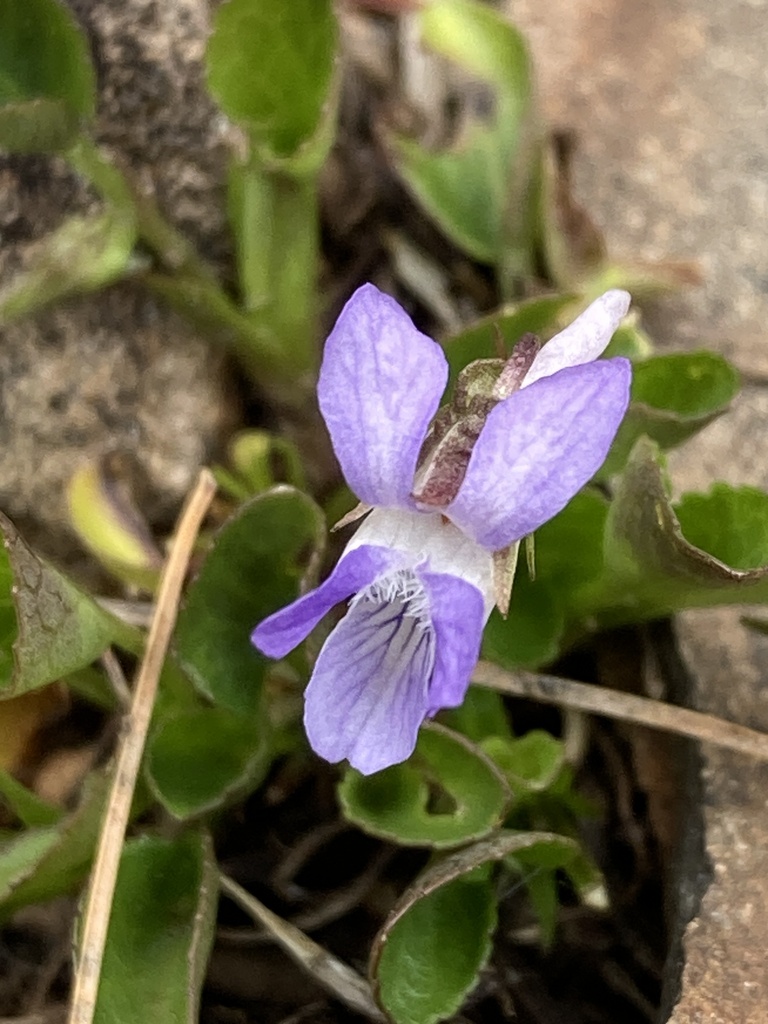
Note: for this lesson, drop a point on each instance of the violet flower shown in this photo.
(420, 569)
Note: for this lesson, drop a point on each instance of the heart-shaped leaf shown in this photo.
(448, 793)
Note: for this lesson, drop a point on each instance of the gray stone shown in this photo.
(117, 369)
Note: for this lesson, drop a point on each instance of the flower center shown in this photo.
(403, 591)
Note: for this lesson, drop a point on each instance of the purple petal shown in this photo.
(368, 693)
(583, 340)
(458, 618)
(281, 632)
(538, 448)
(380, 385)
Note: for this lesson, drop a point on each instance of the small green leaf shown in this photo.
(481, 41)
(435, 952)
(261, 460)
(730, 523)
(673, 397)
(43, 863)
(199, 759)
(83, 255)
(26, 805)
(470, 188)
(448, 793)
(652, 569)
(463, 189)
(108, 521)
(160, 931)
(479, 340)
(431, 948)
(531, 762)
(48, 628)
(254, 567)
(271, 69)
(47, 83)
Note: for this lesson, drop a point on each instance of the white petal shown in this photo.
(583, 340)
(429, 540)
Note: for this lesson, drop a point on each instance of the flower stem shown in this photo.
(275, 219)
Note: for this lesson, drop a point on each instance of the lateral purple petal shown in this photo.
(278, 634)
(380, 385)
(538, 448)
(368, 693)
(458, 618)
(583, 340)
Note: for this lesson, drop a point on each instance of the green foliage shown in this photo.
(46, 862)
(254, 567)
(470, 188)
(160, 931)
(435, 951)
(48, 627)
(201, 758)
(270, 69)
(437, 935)
(446, 794)
(47, 83)
(673, 398)
(26, 805)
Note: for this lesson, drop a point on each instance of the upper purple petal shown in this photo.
(538, 448)
(368, 693)
(583, 340)
(380, 385)
(458, 617)
(278, 634)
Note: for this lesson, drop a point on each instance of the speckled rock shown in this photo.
(668, 100)
(117, 370)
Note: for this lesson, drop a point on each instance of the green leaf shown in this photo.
(470, 188)
(673, 398)
(530, 636)
(106, 518)
(262, 460)
(47, 83)
(531, 762)
(629, 341)
(201, 758)
(730, 523)
(160, 931)
(435, 952)
(271, 69)
(48, 627)
(481, 714)
(653, 569)
(542, 890)
(463, 189)
(435, 941)
(448, 793)
(83, 255)
(254, 567)
(479, 340)
(26, 805)
(43, 863)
